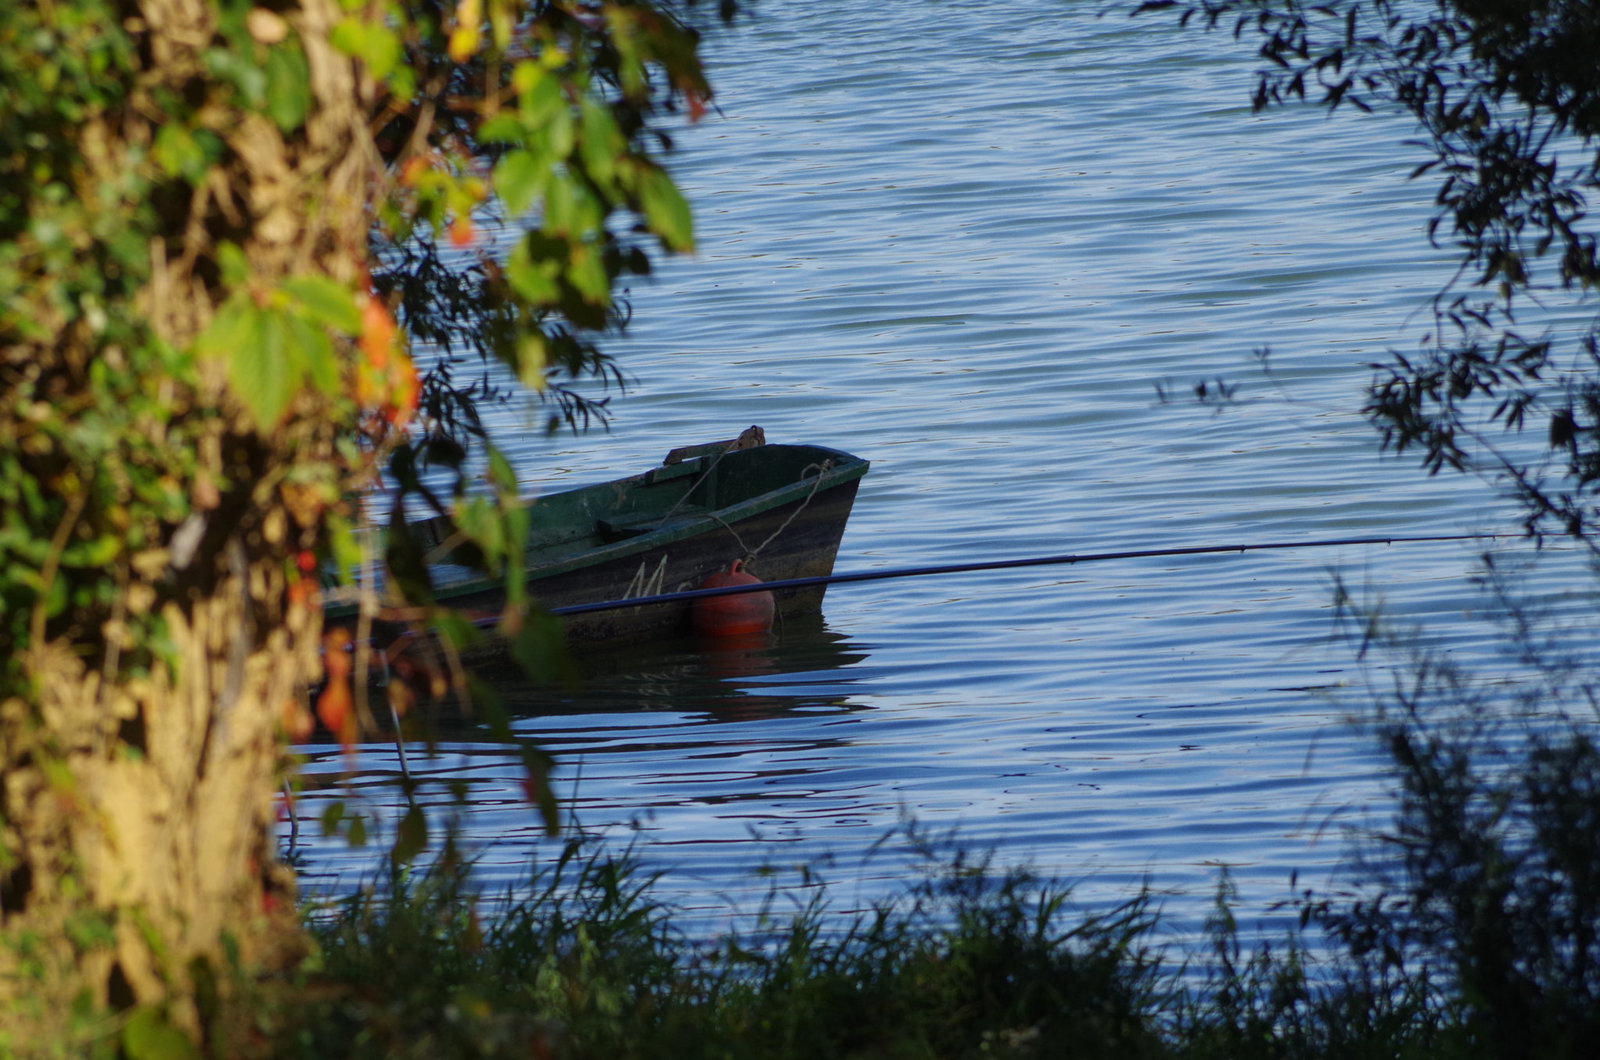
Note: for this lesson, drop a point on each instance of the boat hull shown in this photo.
(806, 547)
(780, 508)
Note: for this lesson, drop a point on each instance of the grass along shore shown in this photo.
(1477, 938)
(1467, 927)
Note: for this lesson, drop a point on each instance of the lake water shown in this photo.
(967, 241)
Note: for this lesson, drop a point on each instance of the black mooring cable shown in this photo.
(1004, 564)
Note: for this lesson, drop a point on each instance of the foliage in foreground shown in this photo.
(964, 963)
(1479, 942)
(1471, 929)
(222, 222)
(968, 964)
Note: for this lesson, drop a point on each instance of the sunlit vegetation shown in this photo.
(222, 222)
(1465, 925)
(1480, 942)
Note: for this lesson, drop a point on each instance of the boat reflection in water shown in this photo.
(797, 667)
(657, 729)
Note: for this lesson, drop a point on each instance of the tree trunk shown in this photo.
(138, 864)
(145, 844)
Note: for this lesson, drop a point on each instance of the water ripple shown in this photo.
(968, 241)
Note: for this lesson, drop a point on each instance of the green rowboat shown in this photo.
(780, 508)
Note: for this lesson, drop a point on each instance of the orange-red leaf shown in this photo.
(336, 704)
(369, 387)
(411, 173)
(378, 332)
(406, 389)
(335, 709)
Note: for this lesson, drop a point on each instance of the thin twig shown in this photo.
(52, 564)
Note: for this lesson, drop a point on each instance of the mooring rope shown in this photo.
(751, 554)
(1003, 564)
(757, 438)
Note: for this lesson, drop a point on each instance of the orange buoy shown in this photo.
(737, 615)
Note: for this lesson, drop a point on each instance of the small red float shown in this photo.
(736, 615)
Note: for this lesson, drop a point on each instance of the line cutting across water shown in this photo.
(1002, 564)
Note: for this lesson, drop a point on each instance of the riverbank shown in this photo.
(1477, 940)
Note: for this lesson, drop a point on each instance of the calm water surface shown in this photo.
(966, 241)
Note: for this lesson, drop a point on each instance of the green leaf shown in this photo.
(239, 71)
(540, 99)
(288, 85)
(531, 359)
(348, 34)
(411, 836)
(480, 521)
(178, 153)
(406, 559)
(602, 143)
(326, 301)
(315, 352)
(538, 765)
(55, 597)
(265, 373)
(148, 1036)
(560, 207)
(342, 542)
(228, 331)
(534, 280)
(502, 475)
(235, 266)
(97, 552)
(501, 129)
(403, 81)
(455, 627)
(587, 273)
(501, 23)
(540, 649)
(525, 75)
(371, 42)
(666, 210)
(517, 179)
(517, 523)
(490, 707)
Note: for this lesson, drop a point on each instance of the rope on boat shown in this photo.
(1004, 564)
(750, 554)
(753, 437)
